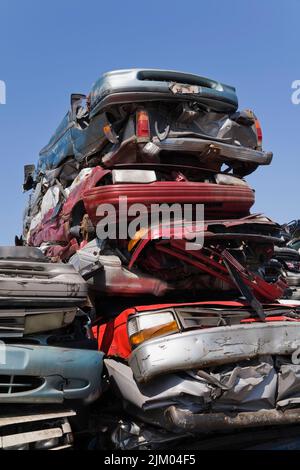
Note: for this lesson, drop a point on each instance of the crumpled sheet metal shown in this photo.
(50, 200)
(288, 383)
(82, 175)
(165, 391)
(254, 223)
(253, 385)
(47, 227)
(218, 265)
(105, 273)
(47, 203)
(65, 173)
(70, 140)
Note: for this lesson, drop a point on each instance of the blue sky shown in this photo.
(52, 48)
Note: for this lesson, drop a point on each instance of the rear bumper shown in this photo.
(208, 422)
(229, 152)
(206, 150)
(217, 199)
(211, 347)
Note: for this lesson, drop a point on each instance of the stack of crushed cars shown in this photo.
(156, 137)
(194, 340)
(49, 365)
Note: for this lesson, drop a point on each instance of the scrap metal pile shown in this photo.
(216, 352)
(144, 135)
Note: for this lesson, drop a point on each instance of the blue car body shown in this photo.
(117, 88)
(46, 374)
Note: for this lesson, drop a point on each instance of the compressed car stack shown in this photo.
(154, 137)
(158, 138)
(46, 359)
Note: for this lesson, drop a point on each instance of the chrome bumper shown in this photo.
(211, 347)
(230, 152)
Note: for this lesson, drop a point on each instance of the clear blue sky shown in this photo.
(49, 49)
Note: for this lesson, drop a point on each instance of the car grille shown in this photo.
(11, 326)
(26, 272)
(10, 384)
(193, 317)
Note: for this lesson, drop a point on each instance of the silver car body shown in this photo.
(23, 321)
(27, 278)
(41, 429)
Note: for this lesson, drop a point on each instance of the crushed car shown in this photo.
(187, 371)
(47, 355)
(138, 114)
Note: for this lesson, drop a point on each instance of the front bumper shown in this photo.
(212, 346)
(213, 422)
(34, 283)
(36, 429)
(45, 374)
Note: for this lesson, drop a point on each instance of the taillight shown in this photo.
(142, 125)
(258, 133)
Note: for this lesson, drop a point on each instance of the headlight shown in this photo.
(54, 320)
(144, 327)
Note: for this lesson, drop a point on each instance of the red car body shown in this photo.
(56, 229)
(220, 201)
(113, 338)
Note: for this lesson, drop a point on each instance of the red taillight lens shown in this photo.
(142, 125)
(258, 132)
